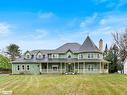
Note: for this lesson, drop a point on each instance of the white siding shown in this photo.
(125, 66)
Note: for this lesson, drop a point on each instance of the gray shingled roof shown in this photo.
(88, 45)
(42, 51)
(74, 47)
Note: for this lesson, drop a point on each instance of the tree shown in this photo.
(112, 56)
(4, 62)
(14, 51)
(121, 42)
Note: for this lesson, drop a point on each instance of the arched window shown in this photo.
(18, 67)
(69, 56)
(39, 56)
(23, 67)
(28, 67)
(28, 56)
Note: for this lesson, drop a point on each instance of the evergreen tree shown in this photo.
(112, 56)
(14, 51)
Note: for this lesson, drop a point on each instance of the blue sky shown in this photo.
(47, 24)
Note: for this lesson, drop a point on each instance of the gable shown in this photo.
(27, 55)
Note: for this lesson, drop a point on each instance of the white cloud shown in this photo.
(116, 4)
(37, 34)
(100, 1)
(46, 15)
(88, 20)
(5, 28)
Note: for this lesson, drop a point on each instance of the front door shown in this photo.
(70, 67)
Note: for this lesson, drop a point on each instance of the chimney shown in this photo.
(101, 45)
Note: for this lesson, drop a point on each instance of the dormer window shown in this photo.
(39, 55)
(69, 56)
(28, 55)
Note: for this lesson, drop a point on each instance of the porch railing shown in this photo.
(74, 71)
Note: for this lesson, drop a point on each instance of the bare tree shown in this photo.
(121, 42)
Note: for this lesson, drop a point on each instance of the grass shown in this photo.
(111, 84)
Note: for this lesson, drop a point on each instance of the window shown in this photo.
(91, 55)
(18, 67)
(55, 67)
(90, 67)
(105, 66)
(28, 67)
(43, 56)
(80, 56)
(39, 56)
(69, 56)
(23, 67)
(49, 55)
(53, 56)
(28, 56)
(88, 55)
(32, 56)
(98, 56)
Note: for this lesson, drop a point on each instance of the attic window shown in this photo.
(69, 56)
(39, 56)
(28, 56)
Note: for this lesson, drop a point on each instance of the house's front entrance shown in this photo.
(70, 68)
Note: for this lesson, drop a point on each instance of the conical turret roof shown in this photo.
(88, 45)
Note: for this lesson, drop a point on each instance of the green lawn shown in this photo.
(65, 84)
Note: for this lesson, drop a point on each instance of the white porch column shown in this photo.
(47, 67)
(100, 67)
(61, 67)
(83, 67)
(78, 67)
(74, 67)
(108, 68)
(40, 68)
(12, 68)
(65, 67)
